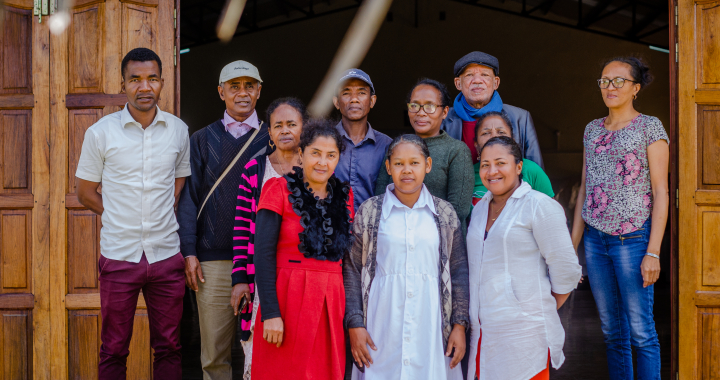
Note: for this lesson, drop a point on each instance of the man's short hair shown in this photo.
(140, 55)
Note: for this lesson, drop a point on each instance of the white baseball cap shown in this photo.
(239, 69)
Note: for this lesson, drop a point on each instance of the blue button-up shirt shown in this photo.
(359, 164)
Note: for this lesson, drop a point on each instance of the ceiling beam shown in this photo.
(644, 23)
(612, 12)
(544, 6)
(287, 4)
(616, 34)
(595, 13)
(650, 33)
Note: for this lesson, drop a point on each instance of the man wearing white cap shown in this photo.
(206, 212)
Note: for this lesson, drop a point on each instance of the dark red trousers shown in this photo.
(163, 286)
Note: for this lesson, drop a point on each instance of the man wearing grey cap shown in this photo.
(365, 147)
(477, 79)
(206, 212)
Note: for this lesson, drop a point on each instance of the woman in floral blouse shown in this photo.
(624, 198)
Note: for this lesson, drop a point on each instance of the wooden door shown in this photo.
(24, 195)
(699, 180)
(85, 82)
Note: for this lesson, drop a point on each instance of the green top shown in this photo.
(451, 176)
(532, 174)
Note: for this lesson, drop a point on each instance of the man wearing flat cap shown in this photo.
(365, 147)
(206, 212)
(477, 79)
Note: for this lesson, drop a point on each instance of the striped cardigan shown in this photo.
(243, 271)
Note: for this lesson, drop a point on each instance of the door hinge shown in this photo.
(175, 55)
(676, 52)
(676, 14)
(677, 198)
(41, 8)
(175, 17)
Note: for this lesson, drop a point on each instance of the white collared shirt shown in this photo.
(240, 128)
(137, 169)
(528, 253)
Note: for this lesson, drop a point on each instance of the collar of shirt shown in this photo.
(519, 192)
(126, 118)
(369, 135)
(252, 121)
(390, 201)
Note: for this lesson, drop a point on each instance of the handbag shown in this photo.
(227, 170)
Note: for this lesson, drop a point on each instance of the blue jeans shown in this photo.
(625, 307)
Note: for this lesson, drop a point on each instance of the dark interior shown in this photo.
(550, 53)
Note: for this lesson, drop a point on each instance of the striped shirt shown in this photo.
(243, 271)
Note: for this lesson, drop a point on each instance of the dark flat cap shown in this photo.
(477, 57)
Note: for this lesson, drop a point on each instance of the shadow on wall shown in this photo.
(547, 69)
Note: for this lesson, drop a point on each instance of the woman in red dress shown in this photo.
(304, 224)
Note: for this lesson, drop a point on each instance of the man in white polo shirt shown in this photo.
(141, 157)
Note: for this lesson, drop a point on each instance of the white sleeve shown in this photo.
(182, 164)
(553, 239)
(92, 158)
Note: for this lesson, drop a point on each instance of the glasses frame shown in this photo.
(422, 107)
(613, 84)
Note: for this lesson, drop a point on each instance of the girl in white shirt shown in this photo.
(522, 269)
(406, 277)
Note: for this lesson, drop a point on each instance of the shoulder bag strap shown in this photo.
(227, 170)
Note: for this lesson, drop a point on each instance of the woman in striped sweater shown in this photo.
(286, 117)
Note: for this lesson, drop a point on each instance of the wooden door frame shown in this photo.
(177, 59)
(674, 189)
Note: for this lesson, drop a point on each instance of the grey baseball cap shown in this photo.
(239, 69)
(357, 74)
(479, 58)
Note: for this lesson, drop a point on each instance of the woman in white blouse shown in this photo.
(522, 269)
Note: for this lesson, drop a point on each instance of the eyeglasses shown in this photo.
(415, 108)
(617, 82)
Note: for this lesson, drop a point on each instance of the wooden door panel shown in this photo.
(86, 44)
(709, 346)
(79, 120)
(15, 52)
(710, 253)
(708, 120)
(138, 26)
(16, 148)
(16, 328)
(84, 346)
(708, 44)
(15, 251)
(83, 251)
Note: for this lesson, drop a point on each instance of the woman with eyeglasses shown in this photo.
(624, 198)
(452, 176)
